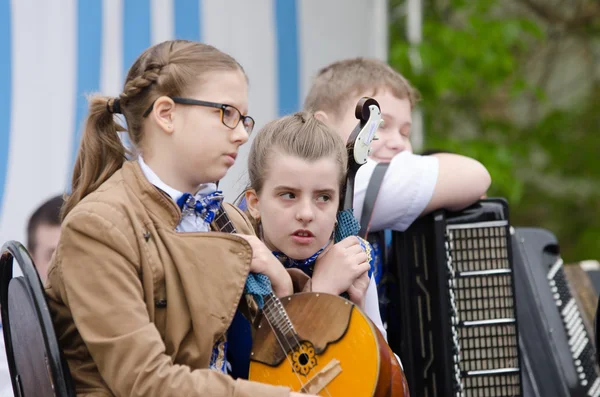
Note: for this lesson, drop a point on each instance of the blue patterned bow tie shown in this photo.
(204, 206)
(306, 265)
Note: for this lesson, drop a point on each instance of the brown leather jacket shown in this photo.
(137, 306)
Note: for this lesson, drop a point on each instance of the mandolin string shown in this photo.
(282, 347)
(291, 347)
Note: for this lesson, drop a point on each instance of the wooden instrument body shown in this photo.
(336, 351)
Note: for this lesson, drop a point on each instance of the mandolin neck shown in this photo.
(349, 192)
(223, 223)
(279, 320)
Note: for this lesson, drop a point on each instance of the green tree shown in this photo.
(516, 84)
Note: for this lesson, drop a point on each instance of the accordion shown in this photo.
(454, 321)
(559, 358)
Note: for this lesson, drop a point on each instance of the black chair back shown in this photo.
(34, 357)
(597, 332)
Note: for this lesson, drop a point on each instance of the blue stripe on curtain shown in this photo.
(136, 31)
(288, 81)
(89, 50)
(187, 19)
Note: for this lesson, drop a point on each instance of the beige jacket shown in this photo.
(137, 307)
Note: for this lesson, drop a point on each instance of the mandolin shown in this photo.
(320, 344)
(323, 344)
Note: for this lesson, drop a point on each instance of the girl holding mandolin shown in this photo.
(297, 168)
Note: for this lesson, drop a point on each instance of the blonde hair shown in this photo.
(165, 69)
(299, 134)
(335, 84)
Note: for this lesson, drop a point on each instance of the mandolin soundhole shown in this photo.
(303, 358)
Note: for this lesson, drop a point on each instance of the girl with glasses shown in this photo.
(140, 291)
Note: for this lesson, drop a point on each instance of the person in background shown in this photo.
(43, 233)
(413, 185)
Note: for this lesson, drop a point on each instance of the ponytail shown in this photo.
(100, 153)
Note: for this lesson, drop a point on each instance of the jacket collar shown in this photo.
(154, 200)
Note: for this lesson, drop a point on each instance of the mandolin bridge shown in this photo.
(323, 377)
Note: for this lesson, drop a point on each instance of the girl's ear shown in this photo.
(252, 203)
(163, 113)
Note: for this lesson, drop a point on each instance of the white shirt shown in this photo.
(406, 190)
(190, 222)
(372, 307)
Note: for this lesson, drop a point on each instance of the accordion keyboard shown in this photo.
(580, 344)
(482, 307)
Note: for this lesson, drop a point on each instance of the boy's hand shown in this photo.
(264, 262)
(339, 266)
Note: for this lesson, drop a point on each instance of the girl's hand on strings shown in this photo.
(339, 266)
(264, 262)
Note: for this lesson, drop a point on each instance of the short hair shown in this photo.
(337, 82)
(46, 214)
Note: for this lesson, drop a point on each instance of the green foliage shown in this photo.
(489, 92)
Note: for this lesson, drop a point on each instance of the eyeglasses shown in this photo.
(230, 115)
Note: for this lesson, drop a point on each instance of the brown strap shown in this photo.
(371, 198)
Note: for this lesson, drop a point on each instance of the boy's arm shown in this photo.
(416, 185)
(405, 191)
(461, 181)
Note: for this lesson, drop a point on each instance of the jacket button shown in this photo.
(161, 303)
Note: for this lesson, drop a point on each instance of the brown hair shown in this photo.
(46, 214)
(299, 134)
(335, 84)
(165, 69)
